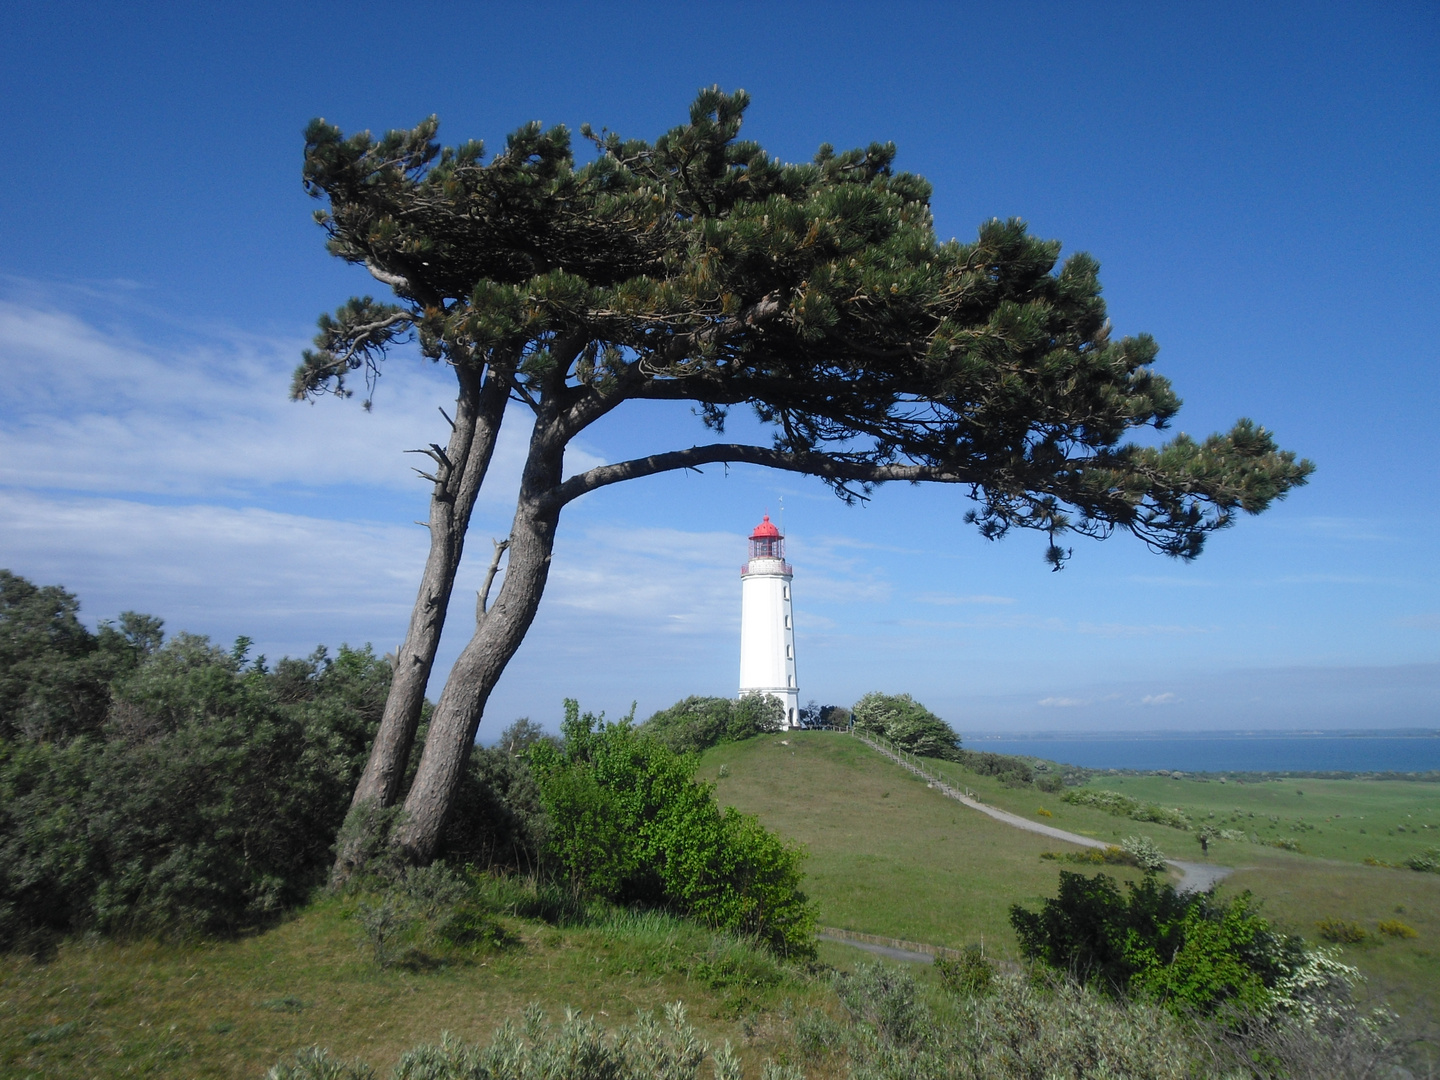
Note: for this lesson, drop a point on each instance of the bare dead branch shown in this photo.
(482, 599)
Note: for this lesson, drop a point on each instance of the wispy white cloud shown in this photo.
(1062, 702)
(1160, 699)
(89, 410)
(284, 579)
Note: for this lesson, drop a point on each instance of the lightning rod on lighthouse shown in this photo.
(767, 623)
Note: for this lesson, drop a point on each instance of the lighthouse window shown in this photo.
(787, 622)
(785, 591)
(790, 652)
(790, 681)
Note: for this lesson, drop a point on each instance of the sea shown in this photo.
(1229, 752)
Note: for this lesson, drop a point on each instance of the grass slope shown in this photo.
(917, 865)
(887, 855)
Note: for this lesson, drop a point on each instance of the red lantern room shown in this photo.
(766, 541)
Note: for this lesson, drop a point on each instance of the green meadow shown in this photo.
(890, 856)
(887, 856)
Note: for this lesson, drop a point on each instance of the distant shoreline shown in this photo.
(1408, 754)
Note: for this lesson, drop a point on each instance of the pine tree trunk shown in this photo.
(498, 634)
(479, 410)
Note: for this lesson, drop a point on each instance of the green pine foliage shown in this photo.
(629, 823)
(700, 267)
(907, 724)
(698, 723)
(1195, 952)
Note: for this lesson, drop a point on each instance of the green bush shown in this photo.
(1011, 771)
(1193, 952)
(1427, 862)
(629, 823)
(968, 974)
(698, 723)
(205, 802)
(1110, 854)
(1113, 802)
(1341, 931)
(55, 675)
(906, 723)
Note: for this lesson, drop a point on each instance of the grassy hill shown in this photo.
(889, 856)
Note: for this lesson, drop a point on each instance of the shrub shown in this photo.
(1013, 772)
(1110, 854)
(1193, 952)
(698, 723)
(577, 1049)
(1341, 931)
(969, 974)
(1113, 802)
(1144, 853)
(1026, 1029)
(629, 823)
(498, 821)
(427, 910)
(885, 999)
(205, 803)
(907, 724)
(1427, 862)
(55, 675)
(1397, 929)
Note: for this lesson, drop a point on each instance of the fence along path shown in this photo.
(1194, 877)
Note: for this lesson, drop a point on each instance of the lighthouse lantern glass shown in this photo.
(767, 547)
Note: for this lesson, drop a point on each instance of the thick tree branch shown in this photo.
(824, 466)
(395, 281)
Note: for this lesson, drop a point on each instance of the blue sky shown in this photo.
(1258, 183)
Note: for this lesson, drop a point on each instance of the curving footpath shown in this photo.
(1194, 877)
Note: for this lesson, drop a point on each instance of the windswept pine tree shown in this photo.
(700, 269)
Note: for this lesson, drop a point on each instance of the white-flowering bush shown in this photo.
(1146, 855)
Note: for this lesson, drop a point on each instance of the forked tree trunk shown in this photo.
(479, 410)
(498, 634)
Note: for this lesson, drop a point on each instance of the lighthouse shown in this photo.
(767, 624)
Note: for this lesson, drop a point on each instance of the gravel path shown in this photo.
(1194, 877)
(882, 950)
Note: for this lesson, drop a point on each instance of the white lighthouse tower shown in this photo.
(767, 624)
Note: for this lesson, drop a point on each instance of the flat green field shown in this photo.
(1351, 820)
(889, 856)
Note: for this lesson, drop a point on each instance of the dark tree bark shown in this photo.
(460, 471)
(498, 634)
(479, 410)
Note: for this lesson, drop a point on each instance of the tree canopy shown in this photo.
(699, 268)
